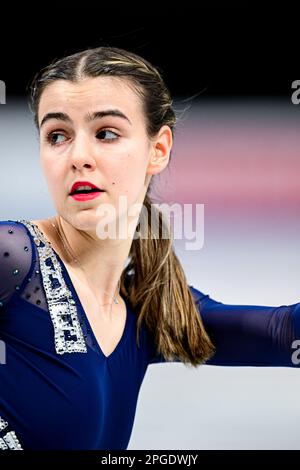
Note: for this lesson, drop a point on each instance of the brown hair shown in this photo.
(158, 289)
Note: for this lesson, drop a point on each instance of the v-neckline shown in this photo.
(71, 286)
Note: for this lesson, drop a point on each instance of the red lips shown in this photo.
(83, 183)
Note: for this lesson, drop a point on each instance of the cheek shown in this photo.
(52, 174)
(129, 179)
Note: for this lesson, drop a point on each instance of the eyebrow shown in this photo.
(88, 117)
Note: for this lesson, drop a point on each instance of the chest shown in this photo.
(107, 327)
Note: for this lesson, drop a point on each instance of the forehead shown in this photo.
(91, 93)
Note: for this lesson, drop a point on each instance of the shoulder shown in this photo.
(16, 253)
(198, 295)
(15, 236)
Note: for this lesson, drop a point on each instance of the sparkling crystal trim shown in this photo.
(68, 335)
(3, 424)
(9, 441)
(3, 446)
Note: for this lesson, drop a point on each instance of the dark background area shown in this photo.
(208, 51)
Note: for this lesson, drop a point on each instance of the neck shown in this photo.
(102, 260)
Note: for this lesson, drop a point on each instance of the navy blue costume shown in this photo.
(58, 390)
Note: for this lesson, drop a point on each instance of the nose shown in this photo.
(81, 152)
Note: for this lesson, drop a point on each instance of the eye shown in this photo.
(52, 136)
(110, 132)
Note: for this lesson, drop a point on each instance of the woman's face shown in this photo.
(112, 152)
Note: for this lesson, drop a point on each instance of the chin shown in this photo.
(82, 220)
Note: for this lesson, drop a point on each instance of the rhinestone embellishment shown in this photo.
(8, 441)
(3, 424)
(68, 335)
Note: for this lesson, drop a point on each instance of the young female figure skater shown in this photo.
(82, 315)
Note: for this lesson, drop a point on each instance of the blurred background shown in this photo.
(236, 151)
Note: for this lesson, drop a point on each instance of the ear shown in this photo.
(161, 149)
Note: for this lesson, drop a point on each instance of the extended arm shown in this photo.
(249, 335)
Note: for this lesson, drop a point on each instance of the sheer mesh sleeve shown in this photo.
(249, 335)
(15, 259)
